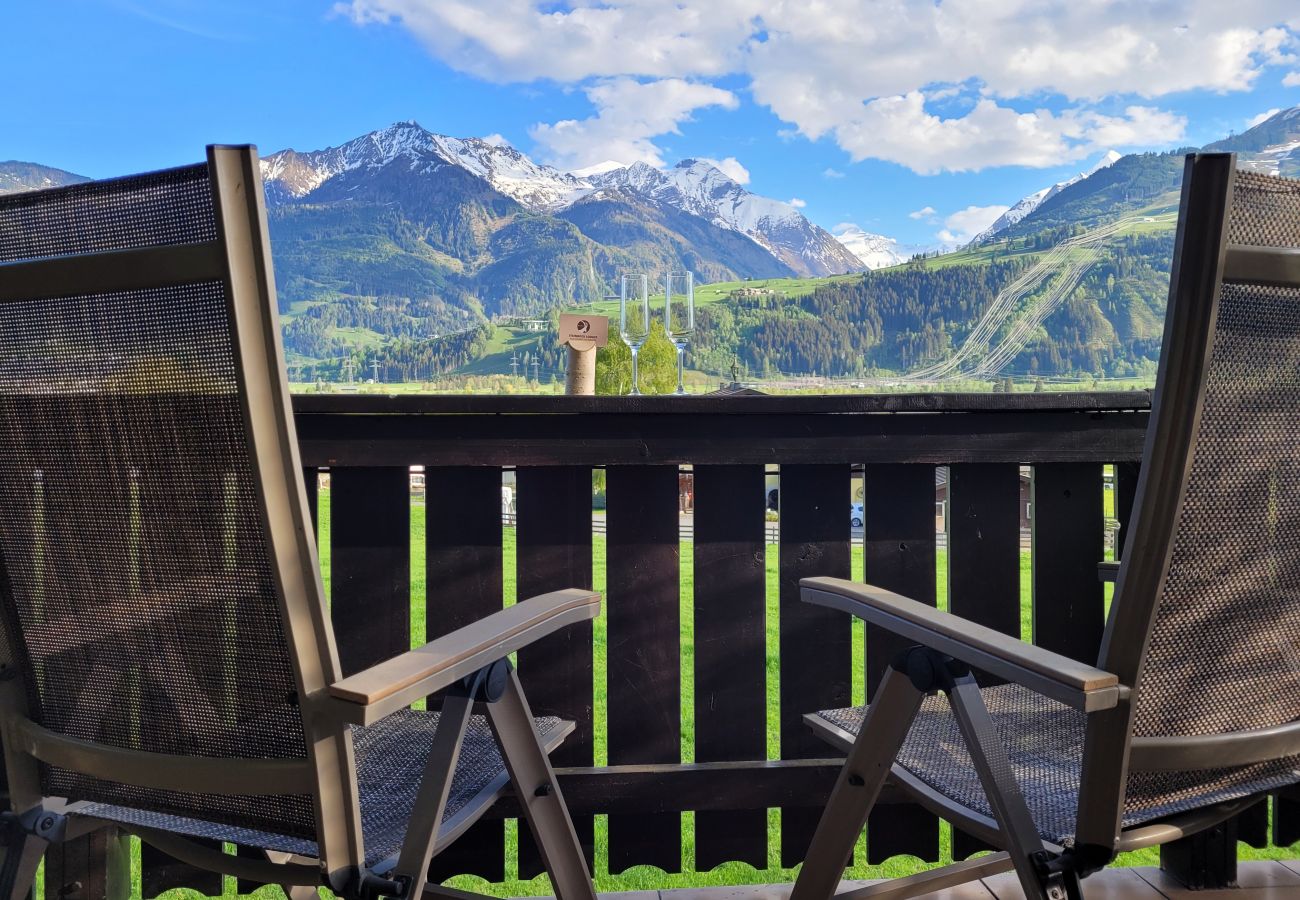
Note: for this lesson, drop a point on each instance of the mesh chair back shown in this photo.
(1224, 648)
(138, 590)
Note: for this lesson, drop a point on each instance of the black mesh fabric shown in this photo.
(140, 594)
(391, 755)
(1225, 645)
(1265, 211)
(1044, 744)
(155, 210)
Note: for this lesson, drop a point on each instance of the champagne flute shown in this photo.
(679, 317)
(634, 317)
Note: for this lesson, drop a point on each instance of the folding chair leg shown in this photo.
(431, 799)
(882, 734)
(292, 891)
(539, 793)
(1009, 808)
(22, 857)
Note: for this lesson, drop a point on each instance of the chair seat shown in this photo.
(1044, 743)
(391, 756)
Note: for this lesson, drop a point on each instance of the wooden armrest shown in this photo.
(398, 682)
(1108, 570)
(1074, 683)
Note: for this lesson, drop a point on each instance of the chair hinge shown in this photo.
(1060, 873)
(487, 685)
(929, 670)
(36, 822)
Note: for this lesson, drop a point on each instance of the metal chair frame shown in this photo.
(470, 664)
(948, 647)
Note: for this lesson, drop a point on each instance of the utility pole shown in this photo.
(537, 364)
(350, 367)
(374, 366)
(514, 364)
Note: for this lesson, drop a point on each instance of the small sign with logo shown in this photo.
(584, 332)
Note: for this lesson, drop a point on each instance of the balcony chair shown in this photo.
(167, 663)
(1192, 712)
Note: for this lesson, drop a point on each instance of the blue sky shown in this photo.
(867, 112)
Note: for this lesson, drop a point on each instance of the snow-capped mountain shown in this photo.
(290, 175)
(24, 176)
(692, 186)
(699, 188)
(875, 251)
(1271, 147)
(1026, 205)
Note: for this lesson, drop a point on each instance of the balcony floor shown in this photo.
(1257, 880)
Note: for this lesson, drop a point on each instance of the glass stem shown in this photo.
(681, 368)
(636, 385)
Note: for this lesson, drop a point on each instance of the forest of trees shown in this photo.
(409, 360)
(896, 320)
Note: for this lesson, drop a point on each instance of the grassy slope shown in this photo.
(1156, 217)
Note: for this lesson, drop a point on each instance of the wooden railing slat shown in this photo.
(730, 606)
(984, 505)
(643, 656)
(463, 583)
(160, 872)
(815, 646)
(554, 552)
(1068, 542)
(370, 564)
(898, 555)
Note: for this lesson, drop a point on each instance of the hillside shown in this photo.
(403, 234)
(25, 176)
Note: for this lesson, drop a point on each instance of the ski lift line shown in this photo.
(1062, 263)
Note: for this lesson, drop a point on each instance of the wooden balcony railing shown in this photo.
(819, 445)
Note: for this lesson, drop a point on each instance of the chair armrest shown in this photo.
(1074, 683)
(1108, 570)
(395, 683)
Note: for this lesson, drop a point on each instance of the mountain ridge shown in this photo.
(693, 186)
(16, 175)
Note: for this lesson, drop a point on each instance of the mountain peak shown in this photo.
(599, 168)
(291, 176)
(695, 186)
(1109, 158)
(1026, 205)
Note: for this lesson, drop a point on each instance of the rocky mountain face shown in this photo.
(24, 176)
(699, 188)
(693, 187)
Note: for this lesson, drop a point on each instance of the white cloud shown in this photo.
(924, 212)
(962, 226)
(629, 114)
(860, 65)
(1263, 117)
(496, 140)
(526, 40)
(832, 173)
(797, 203)
(730, 167)
(902, 130)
